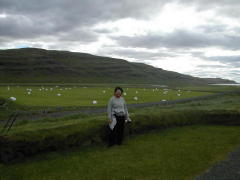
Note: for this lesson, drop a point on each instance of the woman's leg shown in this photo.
(120, 129)
(112, 136)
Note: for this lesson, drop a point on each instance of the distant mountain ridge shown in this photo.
(31, 65)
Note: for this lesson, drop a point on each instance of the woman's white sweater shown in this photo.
(116, 105)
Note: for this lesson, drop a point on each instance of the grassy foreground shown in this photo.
(176, 153)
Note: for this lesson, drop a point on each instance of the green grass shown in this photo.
(84, 96)
(216, 88)
(79, 122)
(224, 102)
(177, 153)
(30, 139)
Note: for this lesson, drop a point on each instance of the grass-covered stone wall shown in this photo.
(18, 146)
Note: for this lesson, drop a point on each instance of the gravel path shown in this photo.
(228, 169)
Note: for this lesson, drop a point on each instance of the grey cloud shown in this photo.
(136, 54)
(212, 66)
(3, 40)
(228, 8)
(40, 18)
(22, 27)
(212, 74)
(213, 28)
(230, 60)
(180, 39)
(197, 54)
(50, 17)
(79, 35)
(106, 9)
(206, 4)
(103, 31)
(47, 17)
(236, 74)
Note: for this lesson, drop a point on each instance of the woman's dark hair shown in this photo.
(118, 88)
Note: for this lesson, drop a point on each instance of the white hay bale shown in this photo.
(94, 102)
(12, 98)
(135, 98)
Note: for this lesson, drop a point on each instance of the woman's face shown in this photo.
(118, 93)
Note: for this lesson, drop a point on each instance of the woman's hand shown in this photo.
(109, 121)
(128, 120)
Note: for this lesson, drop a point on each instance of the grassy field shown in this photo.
(173, 153)
(214, 88)
(226, 102)
(176, 154)
(84, 96)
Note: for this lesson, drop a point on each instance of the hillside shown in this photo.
(28, 65)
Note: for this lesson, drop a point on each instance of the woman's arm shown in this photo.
(109, 109)
(126, 110)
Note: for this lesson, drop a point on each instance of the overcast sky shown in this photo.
(200, 38)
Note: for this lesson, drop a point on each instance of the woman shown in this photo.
(117, 115)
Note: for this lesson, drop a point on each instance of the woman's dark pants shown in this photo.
(116, 135)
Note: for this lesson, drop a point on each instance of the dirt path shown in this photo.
(228, 169)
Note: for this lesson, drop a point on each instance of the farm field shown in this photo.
(89, 96)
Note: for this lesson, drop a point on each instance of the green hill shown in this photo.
(31, 65)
